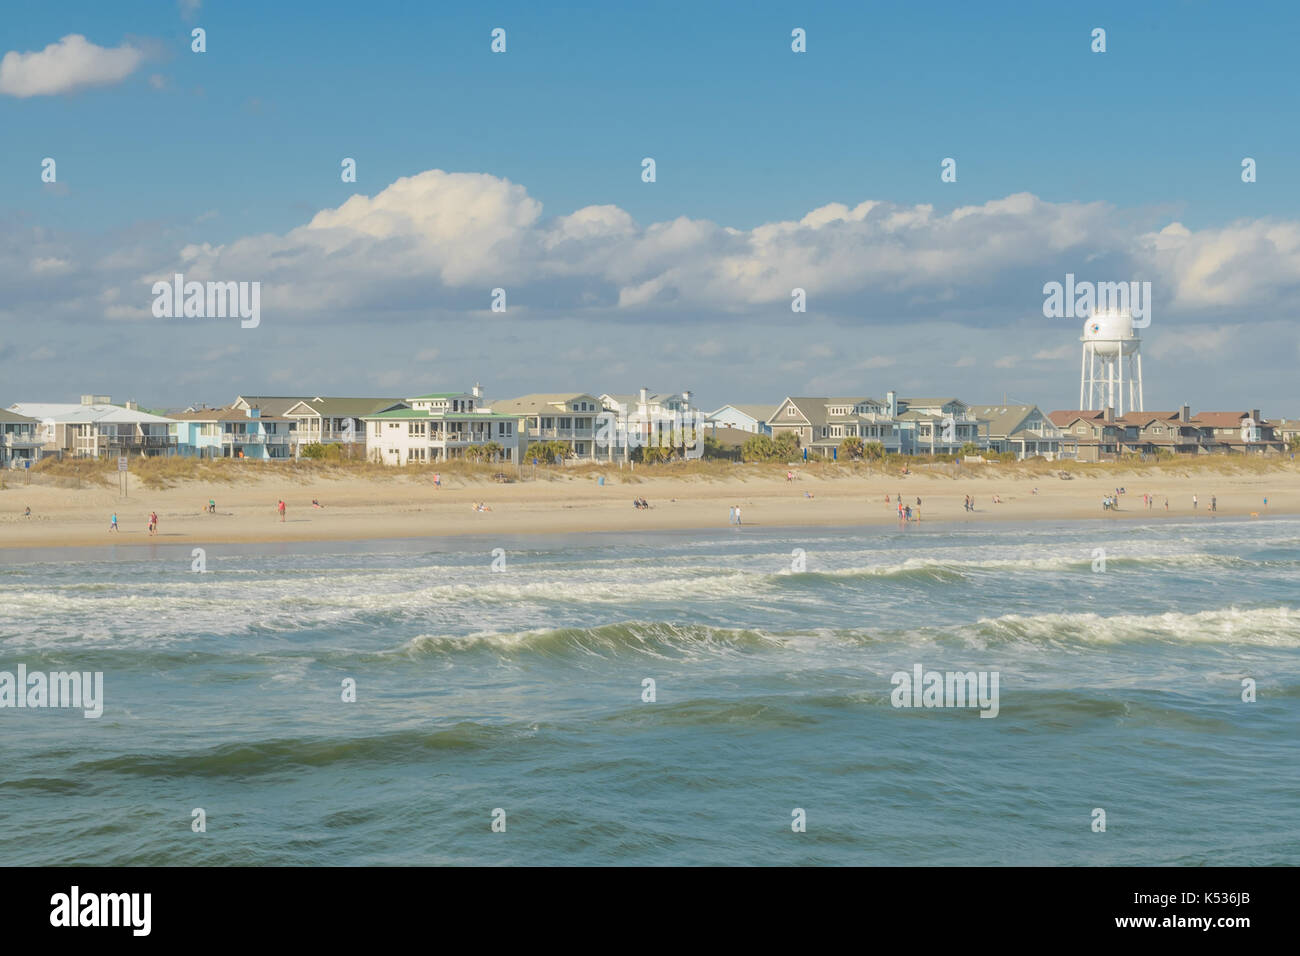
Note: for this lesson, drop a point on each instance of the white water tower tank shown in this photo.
(1111, 333)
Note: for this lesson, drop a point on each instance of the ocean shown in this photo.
(503, 716)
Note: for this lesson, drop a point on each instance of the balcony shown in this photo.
(128, 441)
(20, 440)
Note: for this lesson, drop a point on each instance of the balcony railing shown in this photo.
(127, 441)
(252, 438)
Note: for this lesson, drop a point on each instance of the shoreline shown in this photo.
(366, 509)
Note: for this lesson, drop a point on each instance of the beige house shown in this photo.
(19, 441)
(568, 417)
(1023, 429)
(821, 424)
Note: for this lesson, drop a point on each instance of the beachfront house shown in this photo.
(443, 426)
(641, 420)
(231, 432)
(745, 418)
(19, 442)
(935, 426)
(1148, 433)
(1238, 433)
(822, 424)
(1088, 435)
(566, 417)
(322, 420)
(95, 428)
(1024, 430)
(1286, 430)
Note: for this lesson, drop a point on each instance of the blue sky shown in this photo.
(245, 140)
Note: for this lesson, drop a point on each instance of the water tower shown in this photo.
(1112, 359)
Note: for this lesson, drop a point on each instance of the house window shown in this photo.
(790, 411)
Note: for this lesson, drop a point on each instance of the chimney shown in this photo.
(891, 403)
(132, 406)
(1254, 415)
(1109, 415)
(1185, 413)
(686, 398)
(645, 395)
(477, 390)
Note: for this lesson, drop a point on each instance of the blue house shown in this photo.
(230, 432)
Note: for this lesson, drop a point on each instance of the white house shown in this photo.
(441, 426)
(568, 417)
(95, 428)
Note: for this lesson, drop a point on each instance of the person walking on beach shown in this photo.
(212, 506)
(1214, 503)
(731, 515)
(112, 526)
(280, 508)
(738, 521)
(437, 479)
(1166, 502)
(28, 512)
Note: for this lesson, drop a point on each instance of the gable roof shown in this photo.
(760, 413)
(67, 412)
(1063, 418)
(344, 407)
(227, 413)
(1004, 419)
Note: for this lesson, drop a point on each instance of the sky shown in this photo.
(523, 171)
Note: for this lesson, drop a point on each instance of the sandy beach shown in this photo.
(408, 505)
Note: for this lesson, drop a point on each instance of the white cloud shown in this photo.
(445, 240)
(1060, 352)
(70, 64)
(50, 265)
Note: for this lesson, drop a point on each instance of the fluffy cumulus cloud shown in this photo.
(443, 240)
(72, 63)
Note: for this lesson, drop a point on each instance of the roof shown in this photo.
(729, 437)
(432, 395)
(426, 414)
(1222, 419)
(929, 401)
(346, 407)
(812, 409)
(1003, 419)
(14, 418)
(271, 404)
(759, 413)
(68, 412)
(225, 413)
(539, 402)
(1063, 418)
